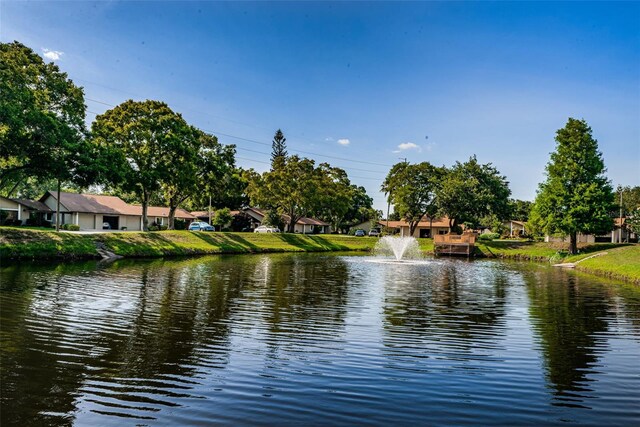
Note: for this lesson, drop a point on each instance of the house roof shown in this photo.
(162, 211)
(33, 204)
(94, 203)
(520, 223)
(311, 221)
(110, 205)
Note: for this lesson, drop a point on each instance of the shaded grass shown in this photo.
(25, 243)
(186, 243)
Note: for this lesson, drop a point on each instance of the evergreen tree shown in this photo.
(576, 197)
(278, 149)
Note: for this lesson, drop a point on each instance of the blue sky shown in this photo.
(362, 85)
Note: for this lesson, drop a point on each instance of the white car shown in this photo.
(266, 229)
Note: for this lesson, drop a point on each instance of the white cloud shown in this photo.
(408, 146)
(344, 141)
(53, 55)
(328, 139)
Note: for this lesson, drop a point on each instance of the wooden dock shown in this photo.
(454, 244)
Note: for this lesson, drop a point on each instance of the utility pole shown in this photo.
(210, 210)
(620, 231)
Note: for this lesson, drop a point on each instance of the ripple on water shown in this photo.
(313, 339)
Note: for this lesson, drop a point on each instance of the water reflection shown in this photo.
(443, 303)
(572, 317)
(302, 338)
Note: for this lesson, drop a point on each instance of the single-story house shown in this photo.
(304, 225)
(428, 227)
(516, 228)
(619, 234)
(19, 211)
(91, 211)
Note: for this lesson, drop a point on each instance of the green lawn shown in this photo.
(620, 263)
(28, 243)
(22, 243)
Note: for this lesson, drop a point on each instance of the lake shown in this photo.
(316, 339)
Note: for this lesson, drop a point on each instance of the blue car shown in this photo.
(200, 226)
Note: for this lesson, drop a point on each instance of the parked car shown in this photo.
(106, 226)
(200, 226)
(374, 232)
(266, 229)
(359, 233)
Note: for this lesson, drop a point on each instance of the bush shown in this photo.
(154, 228)
(488, 236)
(163, 227)
(179, 224)
(70, 227)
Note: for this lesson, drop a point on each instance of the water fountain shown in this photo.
(398, 247)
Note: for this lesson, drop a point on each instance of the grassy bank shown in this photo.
(618, 263)
(17, 243)
(536, 251)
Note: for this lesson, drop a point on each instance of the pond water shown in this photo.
(316, 339)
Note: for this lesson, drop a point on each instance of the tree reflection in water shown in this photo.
(569, 317)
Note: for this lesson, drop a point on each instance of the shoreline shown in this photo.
(23, 244)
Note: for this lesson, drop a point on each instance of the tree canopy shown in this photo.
(197, 168)
(412, 191)
(471, 191)
(278, 148)
(298, 188)
(42, 130)
(143, 142)
(576, 196)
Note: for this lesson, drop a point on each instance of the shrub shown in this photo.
(70, 227)
(488, 236)
(153, 228)
(163, 227)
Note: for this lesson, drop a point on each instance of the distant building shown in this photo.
(89, 211)
(426, 228)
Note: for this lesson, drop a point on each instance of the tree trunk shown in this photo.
(58, 208)
(145, 204)
(573, 243)
(172, 217)
(173, 205)
(412, 227)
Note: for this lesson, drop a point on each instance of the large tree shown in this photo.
(471, 191)
(200, 163)
(297, 188)
(228, 191)
(143, 141)
(337, 196)
(576, 196)
(278, 149)
(42, 130)
(412, 191)
(520, 209)
(291, 189)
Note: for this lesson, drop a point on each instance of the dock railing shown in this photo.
(454, 244)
